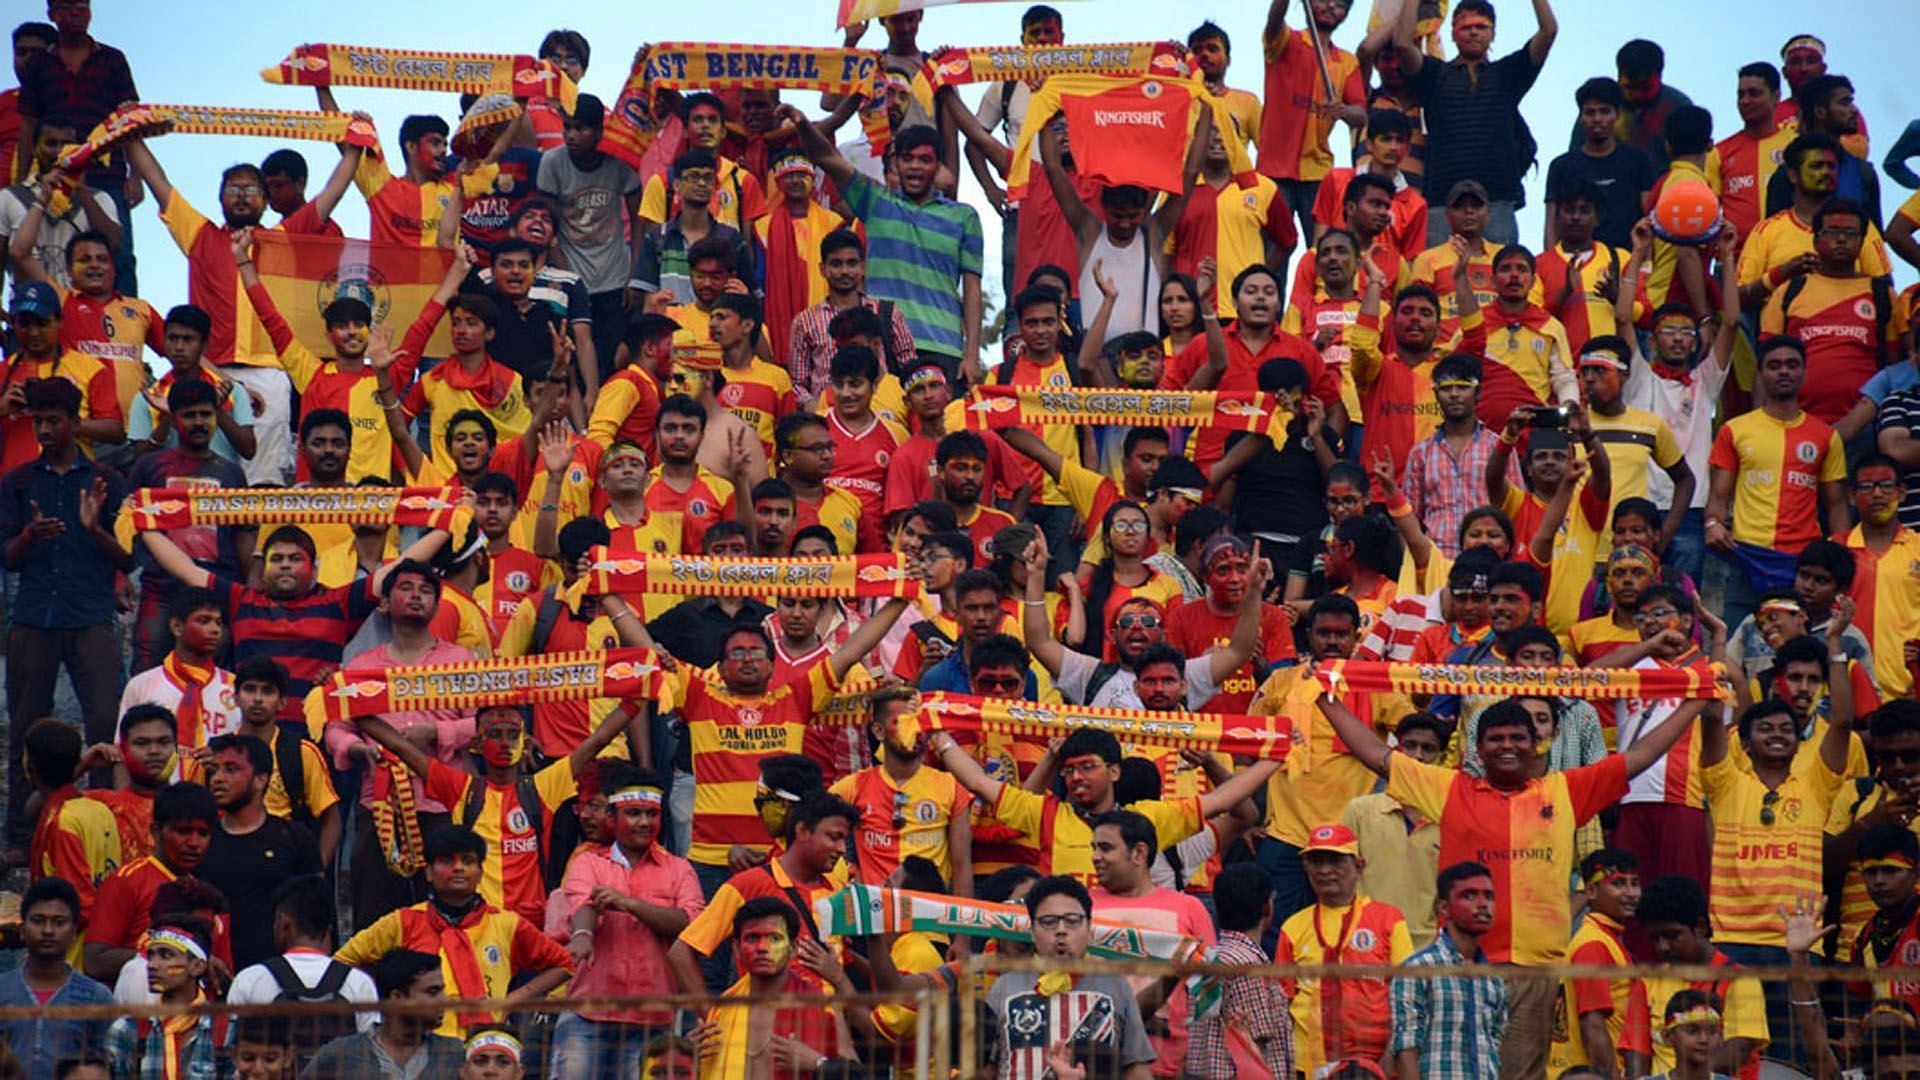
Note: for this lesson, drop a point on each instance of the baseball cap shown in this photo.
(1332, 839)
(35, 298)
(1467, 187)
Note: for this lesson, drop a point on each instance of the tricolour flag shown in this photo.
(305, 273)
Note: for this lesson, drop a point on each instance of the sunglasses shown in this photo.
(1007, 686)
(899, 810)
(1145, 622)
(1767, 802)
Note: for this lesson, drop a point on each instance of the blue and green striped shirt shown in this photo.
(916, 254)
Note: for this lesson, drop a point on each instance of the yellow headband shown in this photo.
(1890, 861)
(635, 795)
(1699, 1014)
(177, 940)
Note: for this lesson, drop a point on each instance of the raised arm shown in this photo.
(1208, 375)
(865, 639)
(1541, 43)
(1093, 364)
(1559, 505)
(966, 770)
(1839, 734)
(980, 141)
(1500, 458)
(1404, 44)
(617, 718)
(818, 147)
(421, 550)
(338, 181)
(149, 170)
(1079, 217)
(412, 756)
(1034, 626)
(1360, 739)
(1650, 746)
(1241, 787)
(175, 561)
(1034, 447)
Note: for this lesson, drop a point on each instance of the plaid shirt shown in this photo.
(1442, 487)
(812, 348)
(1454, 1023)
(1254, 1005)
(136, 1055)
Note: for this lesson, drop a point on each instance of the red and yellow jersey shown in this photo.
(1396, 398)
(1886, 590)
(986, 521)
(1589, 314)
(839, 511)
(1594, 638)
(116, 331)
(1065, 840)
(629, 402)
(320, 794)
(99, 399)
(511, 878)
(660, 532)
(761, 394)
(1407, 232)
(898, 820)
(1434, 269)
(1624, 1001)
(705, 503)
(1244, 107)
(713, 926)
(559, 726)
(1576, 548)
(499, 945)
(729, 734)
(889, 401)
(860, 469)
(1062, 439)
(78, 840)
(1321, 775)
(737, 197)
(1747, 162)
(1743, 1013)
(1309, 316)
(1293, 132)
(512, 576)
(1764, 865)
(694, 329)
(403, 212)
(1778, 469)
(1856, 907)
(1533, 345)
(461, 620)
(1195, 627)
(1636, 441)
(1783, 236)
(1524, 836)
(1230, 225)
(1341, 1018)
(1835, 318)
(494, 390)
(133, 815)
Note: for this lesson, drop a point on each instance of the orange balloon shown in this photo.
(1687, 212)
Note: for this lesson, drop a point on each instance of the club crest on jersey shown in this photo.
(519, 581)
(517, 820)
(1863, 308)
(881, 457)
(1362, 940)
(697, 507)
(926, 812)
(1150, 90)
(493, 954)
(1806, 452)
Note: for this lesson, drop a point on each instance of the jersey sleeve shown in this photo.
(715, 924)
(653, 200)
(1723, 455)
(556, 785)
(1081, 486)
(1593, 788)
(103, 396)
(1834, 466)
(1022, 810)
(1591, 995)
(321, 794)
(1419, 785)
(1666, 448)
(372, 174)
(368, 946)
(445, 784)
(182, 221)
(535, 951)
(1773, 315)
(611, 409)
(1173, 819)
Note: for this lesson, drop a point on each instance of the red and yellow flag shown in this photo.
(1591, 684)
(306, 273)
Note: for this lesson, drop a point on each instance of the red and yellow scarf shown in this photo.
(847, 577)
(1591, 684)
(164, 509)
(1267, 737)
(423, 69)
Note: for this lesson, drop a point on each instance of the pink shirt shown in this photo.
(1162, 909)
(629, 959)
(454, 729)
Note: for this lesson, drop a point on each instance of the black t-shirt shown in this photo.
(1473, 123)
(1280, 491)
(1622, 177)
(247, 868)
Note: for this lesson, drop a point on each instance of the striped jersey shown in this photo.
(1886, 588)
(1766, 846)
(917, 256)
(307, 635)
(760, 395)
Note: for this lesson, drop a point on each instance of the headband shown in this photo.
(700, 355)
(1782, 606)
(1630, 555)
(1599, 358)
(1455, 380)
(180, 941)
(925, 373)
(893, 80)
(620, 450)
(782, 795)
(1803, 41)
(1604, 874)
(792, 164)
(494, 1040)
(1698, 1014)
(1892, 860)
(1462, 18)
(634, 795)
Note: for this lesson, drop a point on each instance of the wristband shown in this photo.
(1509, 439)
(577, 933)
(1400, 506)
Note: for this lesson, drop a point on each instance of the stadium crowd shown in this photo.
(1676, 439)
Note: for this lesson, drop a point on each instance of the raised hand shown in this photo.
(1383, 473)
(1205, 277)
(1261, 572)
(1844, 610)
(1462, 254)
(242, 242)
(1316, 415)
(1643, 236)
(556, 447)
(380, 347)
(562, 352)
(1802, 923)
(1105, 283)
(92, 501)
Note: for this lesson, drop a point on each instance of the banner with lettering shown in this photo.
(1244, 736)
(989, 408)
(847, 577)
(181, 508)
(1127, 130)
(691, 65)
(477, 684)
(959, 66)
(423, 69)
(864, 910)
(147, 121)
(1591, 684)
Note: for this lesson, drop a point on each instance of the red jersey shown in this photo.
(1845, 337)
(910, 475)
(100, 399)
(133, 813)
(1194, 628)
(113, 330)
(513, 575)
(1293, 134)
(860, 466)
(122, 910)
(628, 404)
(1242, 375)
(981, 526)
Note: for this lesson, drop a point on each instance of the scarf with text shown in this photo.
(1266, 737)
(1127, 130)
(424, 69)
(163, 509)
(958, 66)
(146, 121)
(476, 684)
(864, 910)
(1590, 684)
(847, 577)
(632, 123)
(396, 821)
(989, 408)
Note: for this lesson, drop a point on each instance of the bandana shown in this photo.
(1631, 555)
(493, 1040)
(991, 407)
(1781, 606)
(1803, 41)
(1599, 358)
(421, 69)
(846, 577)
(177, 940)
(1589, 684)
(924, 374)
(1221, 546)
(962, 66)
(1891, 861)
(147, 121)
(622, 450)
(792, 165)
(1454, 380)
(1604, 875)
(1265, 737)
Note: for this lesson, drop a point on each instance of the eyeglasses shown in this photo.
(1767, 802)
(1887, 487)
(1659, 614)
(1060, 922)
(824, 449)
(1084, 767)
(1145, 622)
(747, 654)
(1129, 527)
(243, 189)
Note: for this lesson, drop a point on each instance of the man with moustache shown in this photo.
(251, 852)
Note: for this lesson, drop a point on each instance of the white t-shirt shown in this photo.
(50, 244)
(1687, 407)
(255, 985)
(217, 702)
(1076, 672)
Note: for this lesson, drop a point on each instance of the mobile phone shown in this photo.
(1545, 417)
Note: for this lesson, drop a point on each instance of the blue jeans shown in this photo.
(1288, 874)
(716, 969)
(1503, 227)
(1688, 551)
(589, 1049)
(1299, 196)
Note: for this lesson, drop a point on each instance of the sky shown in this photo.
(208, 52)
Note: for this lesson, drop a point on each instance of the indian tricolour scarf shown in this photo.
(1590, 684)
(989, 408)
(1127, 130)
(864, 910)
(690, 65)
(146, 121)
(149, 509)
(957, 66)
(1266, 737)
(846, 577)
(422, 69)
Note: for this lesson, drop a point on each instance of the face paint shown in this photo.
(503, 754)
(137, 768)
(773, 813)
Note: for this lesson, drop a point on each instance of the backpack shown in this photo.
(309, 1032)
(1882, 310)
(1103, 673)
(546, 618)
